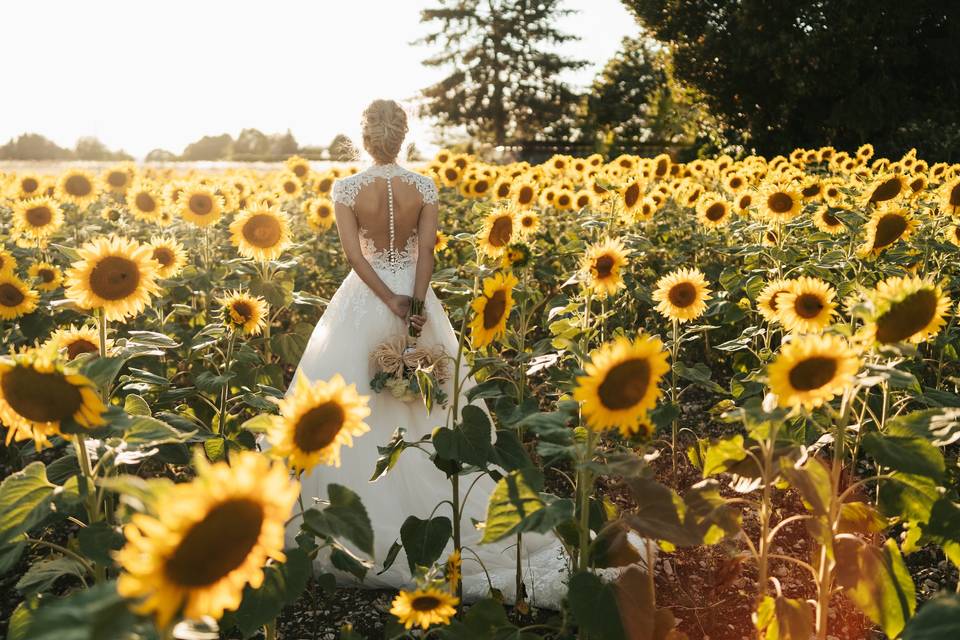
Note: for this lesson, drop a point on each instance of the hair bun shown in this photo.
(384, 128)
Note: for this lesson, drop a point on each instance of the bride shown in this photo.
(387, 221)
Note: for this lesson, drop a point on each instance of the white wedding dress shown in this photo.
(353, 324)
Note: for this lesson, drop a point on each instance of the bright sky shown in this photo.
(141, 75)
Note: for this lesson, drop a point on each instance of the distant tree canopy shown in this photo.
(504, 81)
(813, 72)
(33, 146)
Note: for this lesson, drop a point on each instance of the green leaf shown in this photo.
(699, 374)
(911, 455)
(282, 585)
(720, 453)
(25, 498)
(389, 455)
(509, 453)
(136, 406)
(639, 616)
(345, 518)
(144, 432)
(343, 561)
(512, 502)
(941, 426)
(908, 496)
(258, 424)
(152, 339)
(96, 613)
(612, 547)
(659, 513)
(812, 480)
(877, 581)
(424, 540)
(98, 540)
(944, 524)
(594, 607)
(938, 619)
(785, 619)
(41, 575)
(289, 346)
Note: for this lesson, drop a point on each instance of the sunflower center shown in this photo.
(887, 190)
(114, 278)
(145, 202)
(290, 186)
(324, 185)
(829, 219)
(954, 198)
(716, 211)
(201, 204)
(889, 229)
(810, 191)
(736, 183)
(117, 179)
(242, 310)
(40, 397)
(780, 202)
(300, 171)
(216, 545)
(262, 230)
(29, 185)
(808, 305)
(46, 274)
(503, 190)
(318, 427)
(682, 294)
(425, 603)
(79, 346)
(493, 310)
(78, 186)
(501, 231)
(481, 186)
(163, 255)
(10, 295)
(451, 174)
(631, 195)
(625, 384)
(812, 373)
(39, 216)
(604, 266)
(907, 317)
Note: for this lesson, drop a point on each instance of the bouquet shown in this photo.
(409, 371)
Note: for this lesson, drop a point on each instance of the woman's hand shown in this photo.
(418, 321)
(400, 305)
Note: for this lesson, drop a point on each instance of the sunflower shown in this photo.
(811, 188)
(452, 569)
(745, 201)
(74, 341)
(450, 175)
(298, 166)
(953, 234)
(260, 233)
(244, 312)
(114, 274)
(144, 201)
(516, 256)
(492, 308)
(825, 220)
(315, 421)
(117, 179)
(768, 303)
(37, 218)
(38, 394)
(621, 382)
(441, 242)
(811, 370)
(564, 200)
(208, 539)
(289, 186)
(528, 223)
(885, 188)
(583, 199)
(713, 210)
(682, 295)
(808, 306)
(199, 205)
(779, 202)
(7, 262)
(735, 182)
(497, 232)
(950, 196)
(601, 265)
(78, 187)
(16, 298)
(886, 227)
(319, 213)
(46, 276)
(502, 189)
(632, 195)
(169, 254)
(907, 309)
(27, 185)
(424, 607)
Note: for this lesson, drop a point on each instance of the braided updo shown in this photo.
(384, 127)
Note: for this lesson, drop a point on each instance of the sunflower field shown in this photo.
(748, 364)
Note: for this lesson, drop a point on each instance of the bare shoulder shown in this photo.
(425, 185)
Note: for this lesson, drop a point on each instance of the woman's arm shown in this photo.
(350, 241)
(427, 235)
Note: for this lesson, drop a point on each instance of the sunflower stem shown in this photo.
(675, 426)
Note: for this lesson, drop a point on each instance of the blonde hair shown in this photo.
(384, 127)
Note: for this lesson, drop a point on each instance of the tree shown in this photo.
(90, 148)
(283, 145)
(209, 148)
(33, 146)
(251, 142)
(342, 149)
(161, 155)
(504, 82)
(814, 72)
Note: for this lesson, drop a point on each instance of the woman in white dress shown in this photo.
(382, 213)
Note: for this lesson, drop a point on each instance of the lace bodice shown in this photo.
(380, 260)
(345, 189)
